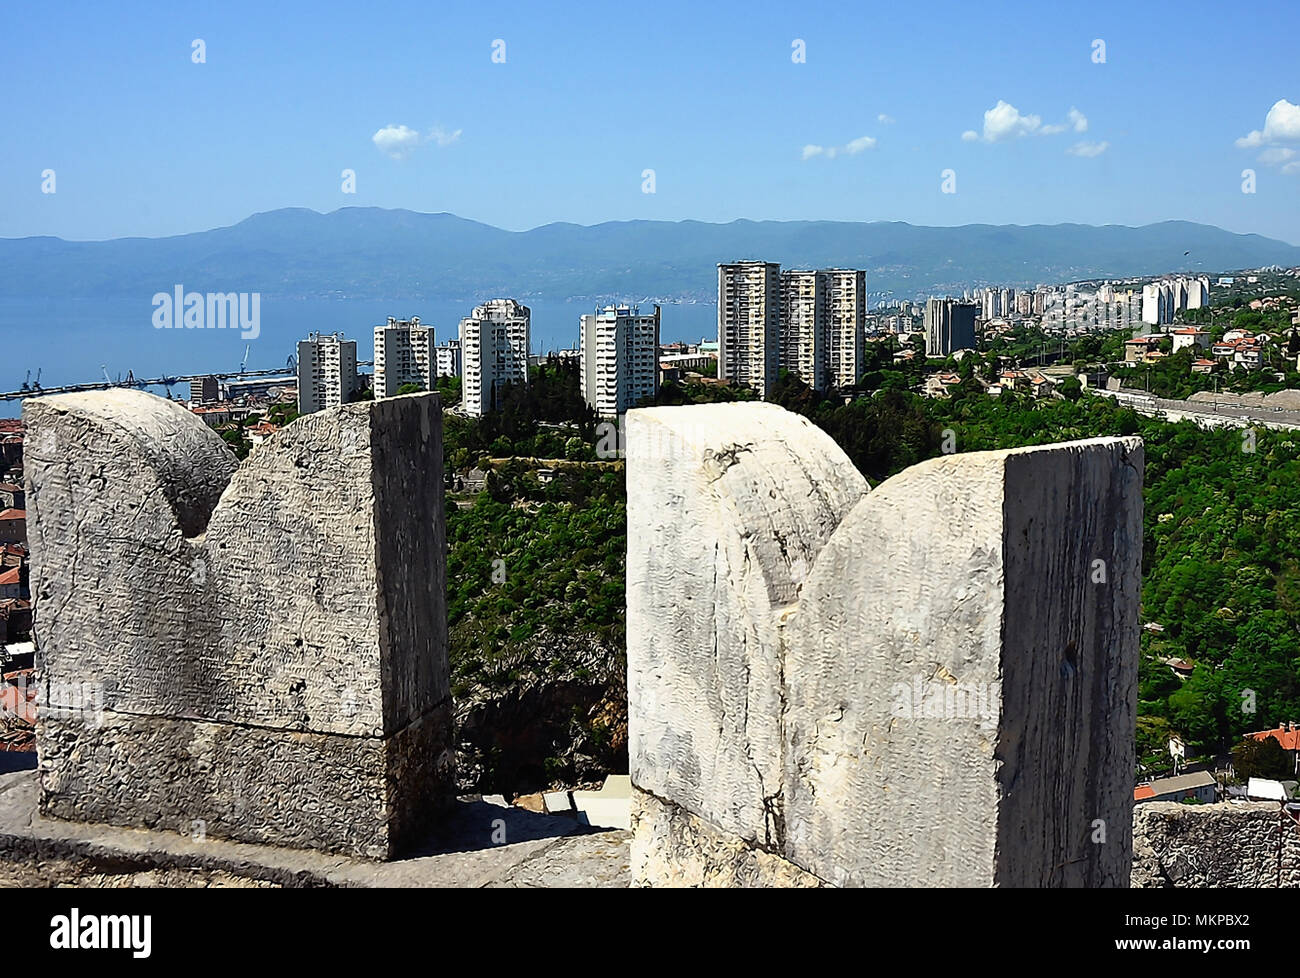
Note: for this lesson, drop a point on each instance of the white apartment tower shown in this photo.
(327, 371)
(494, 352)
(619, 351)
(804, 326)
(403, 355)
(446, 359)
(846, 322)
(749, 318)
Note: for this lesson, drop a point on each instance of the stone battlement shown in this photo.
(930, 683)
(254, 651)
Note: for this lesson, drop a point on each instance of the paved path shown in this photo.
(538, 851)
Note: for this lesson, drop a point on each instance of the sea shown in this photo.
(77, 341)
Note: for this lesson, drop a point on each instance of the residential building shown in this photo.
(447, 360)
(1190, 337)
(403, 355)
(846, 317)
(1198, 786)
(13, 526)
(1153, 305)
(619, 350)
(949, 326)
(803, 326)
(494, 343)
(749, 324)
(11, 584)
(327, 371)
(1288, 735)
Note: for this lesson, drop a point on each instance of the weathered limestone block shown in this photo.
(1238, 844)
(727, 508)
(931, 684)
(672, 847)
(256, 651)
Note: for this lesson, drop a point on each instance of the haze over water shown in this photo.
(69, 339)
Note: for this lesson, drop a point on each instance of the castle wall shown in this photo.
(256, 651)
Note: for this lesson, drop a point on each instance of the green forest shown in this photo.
(1220, 575)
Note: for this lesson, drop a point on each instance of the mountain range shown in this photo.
(367, 252)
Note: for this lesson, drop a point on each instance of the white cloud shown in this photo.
(1005, 121)
(1291, 168)
(399, 142)
(1276, 154)
(396, 141)
(1085, 148)
(852, 148)
(442, 137)
(885, 119)
(1281, 125)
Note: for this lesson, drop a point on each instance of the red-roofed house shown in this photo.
(18, 695)
(11, 583)
(1288, 735)
(13, 526)
(1190, 337)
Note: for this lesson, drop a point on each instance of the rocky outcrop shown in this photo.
(252, 651)
(930, 684)
(552, 710)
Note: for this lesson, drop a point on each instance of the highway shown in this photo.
(1205, 414)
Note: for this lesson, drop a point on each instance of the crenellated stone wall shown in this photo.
(254, 651)
(931, 683)
(1231, 844)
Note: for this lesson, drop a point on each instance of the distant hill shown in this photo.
(360, 252)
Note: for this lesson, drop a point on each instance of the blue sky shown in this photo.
(144, 141)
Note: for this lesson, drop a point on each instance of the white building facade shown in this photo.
(447, 359)
(619, 353)
(494, 343)
(327, 372)
(804, 326)
(846, 319)
(403, 355)
(749, 317)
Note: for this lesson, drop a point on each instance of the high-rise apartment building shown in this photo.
(446, 359)
(804, 326)
(494, 344)
(949, 326)
(619, 354)
(327, 371)
(749, 317)
(846, 317)
(403, 355)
